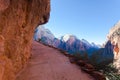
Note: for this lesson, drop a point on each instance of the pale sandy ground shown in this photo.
(49, 64)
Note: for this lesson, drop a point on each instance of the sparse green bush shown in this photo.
(110, 72)
(81, 56)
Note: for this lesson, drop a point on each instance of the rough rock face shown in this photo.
(107, 55)
(18, 19)
(114, 37)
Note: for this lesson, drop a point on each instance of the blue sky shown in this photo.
(88, 19)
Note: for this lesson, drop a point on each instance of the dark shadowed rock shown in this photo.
(103, 56)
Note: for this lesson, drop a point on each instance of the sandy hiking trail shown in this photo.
(49, 64)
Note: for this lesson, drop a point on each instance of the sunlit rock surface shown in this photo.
(18, 19)
(114, 37)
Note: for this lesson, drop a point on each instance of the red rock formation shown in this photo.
(114, 37)
(18, 19)
(4, 4)
(116, 49)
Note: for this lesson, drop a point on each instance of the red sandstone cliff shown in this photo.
(18, 19)
(114, 37)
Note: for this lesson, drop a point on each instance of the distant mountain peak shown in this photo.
(86, 42)
(66, 37)
(67, 42)
(42, 31)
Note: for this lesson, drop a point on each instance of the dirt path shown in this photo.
(49, 64)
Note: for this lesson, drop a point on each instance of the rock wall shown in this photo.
(114, 37)
(18, 19)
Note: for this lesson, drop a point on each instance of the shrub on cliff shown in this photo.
(81, 55)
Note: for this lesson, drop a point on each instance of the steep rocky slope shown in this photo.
(18, 19)
(114, 37)
(49, 64)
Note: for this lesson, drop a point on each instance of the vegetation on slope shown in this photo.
(108, 70)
